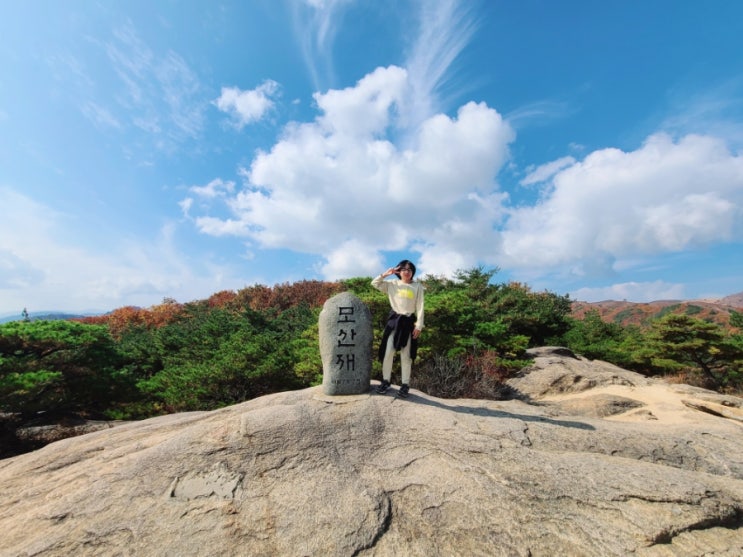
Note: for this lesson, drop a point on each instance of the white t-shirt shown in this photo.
(405, 299)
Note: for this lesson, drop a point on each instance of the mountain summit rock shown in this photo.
(593, 460)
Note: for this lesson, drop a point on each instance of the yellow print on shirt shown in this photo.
(406, 293)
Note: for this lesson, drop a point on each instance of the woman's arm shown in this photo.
(419, 311)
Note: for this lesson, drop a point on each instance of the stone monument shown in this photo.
(346, 338)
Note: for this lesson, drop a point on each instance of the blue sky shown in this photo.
(176, 149)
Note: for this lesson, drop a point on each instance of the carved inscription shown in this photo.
(345, 345)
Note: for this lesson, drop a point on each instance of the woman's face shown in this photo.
(406, 274)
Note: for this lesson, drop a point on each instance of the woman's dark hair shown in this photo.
(405, 263)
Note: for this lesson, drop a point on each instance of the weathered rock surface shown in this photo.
(301, 473)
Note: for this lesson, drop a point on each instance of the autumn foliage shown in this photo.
(122, 318)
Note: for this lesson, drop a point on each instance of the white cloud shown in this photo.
(441, 31)
(363, 110)
(316, 23)
(16, 272)
(339, 188)
(185, 205)
(215, 188)
(325, 4)
(717, 110)
(157, 93)
(250, 106)
(44, 266)
(546, 171)
(352, 255)
(220, 227)
(631, 291)
(444, 30)
(180, 90)
(100, 116)
(665, 196)
(538, 113)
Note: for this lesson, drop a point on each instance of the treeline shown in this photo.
(135, 363)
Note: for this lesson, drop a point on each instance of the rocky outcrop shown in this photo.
(18, 436)
(631, 468)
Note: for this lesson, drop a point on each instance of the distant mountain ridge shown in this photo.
(45, 316)
(641, 313)
(734, 300)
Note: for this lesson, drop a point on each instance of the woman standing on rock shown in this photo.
(404, 323)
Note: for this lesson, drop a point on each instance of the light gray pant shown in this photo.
(406, 362)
